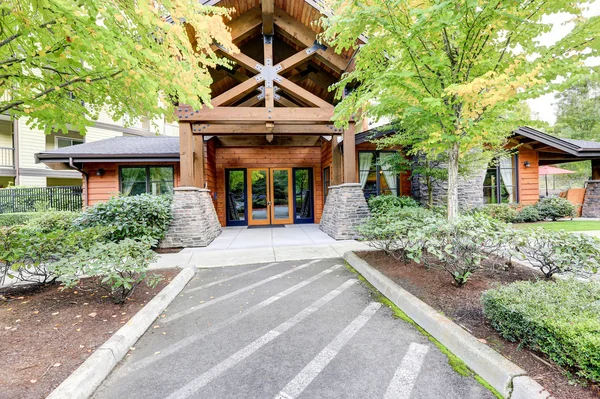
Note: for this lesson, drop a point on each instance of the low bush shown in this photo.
(503, 212)
(131, 217)
(15, 219)
(557, 251)
(386, 203)
(26, 255)
(116, 267)
(528, 214)
(51, 220)
(555, 208)
(558, 318)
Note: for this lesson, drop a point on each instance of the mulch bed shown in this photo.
(463, 306)
(167, 250)
(47, 332)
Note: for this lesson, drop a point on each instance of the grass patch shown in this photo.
(567, 225)
(457, 364)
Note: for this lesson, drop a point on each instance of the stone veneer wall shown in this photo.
(195, 222)
(345, 210)
(470, 190)
(591, 200)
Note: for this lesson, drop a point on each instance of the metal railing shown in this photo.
(65, 198)
(7, 157)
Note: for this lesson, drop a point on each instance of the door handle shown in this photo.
(269, 203)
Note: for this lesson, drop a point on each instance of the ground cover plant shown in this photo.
(559, 318)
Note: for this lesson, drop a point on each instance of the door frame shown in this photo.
(290, 219)
(251, 221)
(311, 187)
(236, 222)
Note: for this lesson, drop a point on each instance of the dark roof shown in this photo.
(577, 148)
(375, 133)
(127, 147)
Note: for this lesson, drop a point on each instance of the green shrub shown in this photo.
(26, 255)
(48, 221)
(558, 318)
(15, 219)
(385, 203)
(503, 212)
(555, 208)
(528, 214)
(117, 267)
(558, 251)
(131, 217)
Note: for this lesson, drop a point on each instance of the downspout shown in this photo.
(85, 182)
(16, 151)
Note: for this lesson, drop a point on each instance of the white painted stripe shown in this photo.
(406, 375)
(193, 309)
(222, 324)
(303, 379)
(230, 278)
(198, 383)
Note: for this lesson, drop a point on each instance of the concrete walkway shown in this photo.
(284, 330)
(242, 246)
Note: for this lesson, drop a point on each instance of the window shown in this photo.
(500, 183)
(376, 175)
(326, 182)
(62, 142)
(154, 180)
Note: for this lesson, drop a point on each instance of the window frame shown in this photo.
(498, 185)
(60, 138)
(378, 173)
(147, 168)
(326, 182)
(311, 219)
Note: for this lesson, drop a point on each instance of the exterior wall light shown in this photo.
(100, 172)
(526, 164)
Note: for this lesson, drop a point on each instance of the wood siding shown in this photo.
(529, 186)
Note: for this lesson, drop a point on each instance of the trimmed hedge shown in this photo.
(14, 219)
(559, 318)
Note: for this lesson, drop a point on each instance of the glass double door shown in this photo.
(270, 196)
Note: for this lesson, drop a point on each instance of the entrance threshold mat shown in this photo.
(268, 226)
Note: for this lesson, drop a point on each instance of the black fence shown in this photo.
(67, 198)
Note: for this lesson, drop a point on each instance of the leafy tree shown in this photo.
(578, 113)
(452, 72)
(62, 61)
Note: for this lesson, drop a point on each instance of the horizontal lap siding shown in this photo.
(268, 157)
(529, 186)
(102, 188)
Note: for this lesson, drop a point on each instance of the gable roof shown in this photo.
(126, 148)
(574, 148)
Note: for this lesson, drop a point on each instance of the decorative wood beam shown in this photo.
(298, 92)
(253, 115)
(301, 34)
(246, 25)
(278, 129)
(299, 58)
(255, 141)
(268, 54)
(252, 101)
(268, 8)
(235, 93)
(285, 102)
(245, 61)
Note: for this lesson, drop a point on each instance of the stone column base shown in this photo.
(345, 210)
(195, 222)
(591, 200)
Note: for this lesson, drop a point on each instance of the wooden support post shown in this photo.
(199, 161)
(336, 161)
(269, 85)
(350, 154)
(268, 8)
(186, 163)
(595, 169)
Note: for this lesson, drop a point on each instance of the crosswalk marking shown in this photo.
(193, 386)
(225, 323)
(193, 309)
(406, 375)
(230, 278)
(303, 379)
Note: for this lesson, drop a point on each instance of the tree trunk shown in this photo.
(453, 181)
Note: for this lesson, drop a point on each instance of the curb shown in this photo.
(82, 383)
(503, 375)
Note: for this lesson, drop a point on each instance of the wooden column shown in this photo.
(186, 154)
(595, 169)
(268, 59)
(336, 161)
(199, 161)
(350, 154)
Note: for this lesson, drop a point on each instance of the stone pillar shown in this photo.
(195, 222)
(591, 200)
(345, 210)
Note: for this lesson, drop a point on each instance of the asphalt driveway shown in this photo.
(305, 329)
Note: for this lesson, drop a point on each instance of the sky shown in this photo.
(544, 107)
